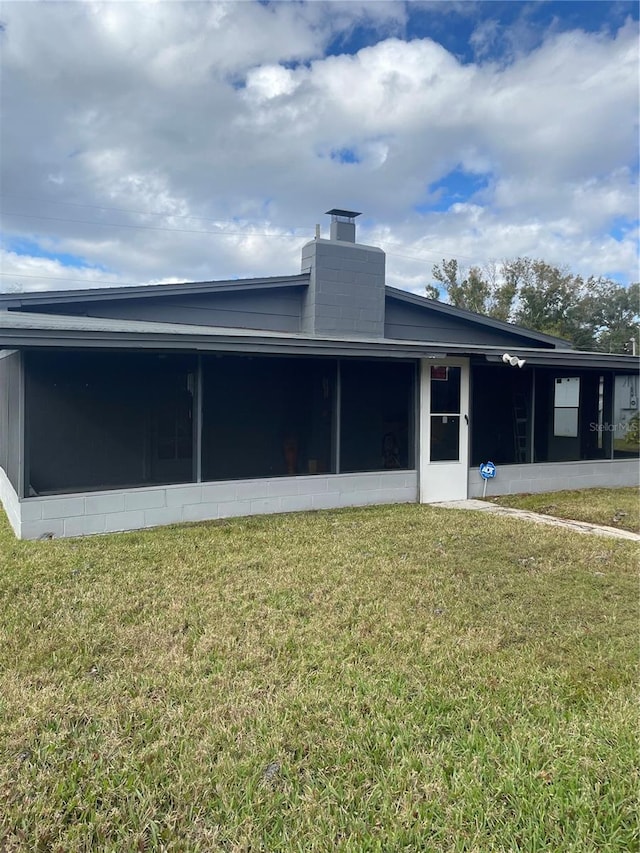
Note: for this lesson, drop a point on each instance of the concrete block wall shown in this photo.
(555, 476)
(132, 509)
(346, 293)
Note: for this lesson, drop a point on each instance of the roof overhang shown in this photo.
(32, 299)
(35, 331)
(472, 317)
(567, 358)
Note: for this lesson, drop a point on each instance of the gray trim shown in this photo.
(19, 331)
(197, 419)
(12, 418)
(22, 444)
(571, 358)
(414, 424)
(607, 407)
(471, 316)
(532, 420)
(15, 301)
(338, 416)
(11, 503)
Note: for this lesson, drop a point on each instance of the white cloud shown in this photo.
(232, 113)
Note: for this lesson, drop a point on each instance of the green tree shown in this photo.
(596, 314)
(552, 300)
(615, 314)
(478, 291)
(504, 294)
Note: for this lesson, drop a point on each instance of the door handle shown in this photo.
(466, 418)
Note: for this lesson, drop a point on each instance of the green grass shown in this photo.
(613, 507)
(393, 679)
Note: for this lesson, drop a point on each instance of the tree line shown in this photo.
(592, 314)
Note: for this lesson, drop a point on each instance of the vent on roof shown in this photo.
(343, 226)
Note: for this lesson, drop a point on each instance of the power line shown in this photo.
(220, 233)
(177, 216)
(66, 278)
(128, 283)
(129, 210)
(210, 233)
(148, 227)
(174, 216)
(426, 257)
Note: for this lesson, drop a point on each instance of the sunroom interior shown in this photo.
(99, 421)
(545, 414)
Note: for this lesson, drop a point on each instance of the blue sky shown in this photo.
(188, 141)
(455, 25)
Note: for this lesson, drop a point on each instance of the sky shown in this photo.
(196, 141)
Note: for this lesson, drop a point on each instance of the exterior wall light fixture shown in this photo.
(513, 360)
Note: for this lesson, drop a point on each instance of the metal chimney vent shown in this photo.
(343, 226)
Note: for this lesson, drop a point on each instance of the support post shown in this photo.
(532, 448)
(337, 419)
(197, 424)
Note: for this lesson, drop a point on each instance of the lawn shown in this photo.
(401, 678)
(613, 507)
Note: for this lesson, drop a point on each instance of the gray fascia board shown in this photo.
(78, 339)
(472, 317)
(15, 301)
(572, 358)
(32, 330)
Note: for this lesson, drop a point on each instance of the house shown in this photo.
(129, 407)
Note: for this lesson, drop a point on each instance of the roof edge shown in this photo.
(137, 291)
(30, 330)
(473, 317)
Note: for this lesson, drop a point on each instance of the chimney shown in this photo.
(343, 226)
(346, 295)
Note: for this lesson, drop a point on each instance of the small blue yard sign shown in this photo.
(487, 470)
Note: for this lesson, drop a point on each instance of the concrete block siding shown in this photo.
(555, 476)
(132, 509)
(346, 292)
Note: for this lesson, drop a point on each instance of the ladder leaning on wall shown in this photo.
(520, 427)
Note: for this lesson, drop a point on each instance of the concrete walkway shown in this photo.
(580, 526)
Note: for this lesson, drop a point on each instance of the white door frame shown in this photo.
(443, 481)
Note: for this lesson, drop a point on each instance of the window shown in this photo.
(573, 415)
(626, 417)
(267, 417)
(566, 404)
(445, 413)
(107, 420)
(501, 412)
(376, 415)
